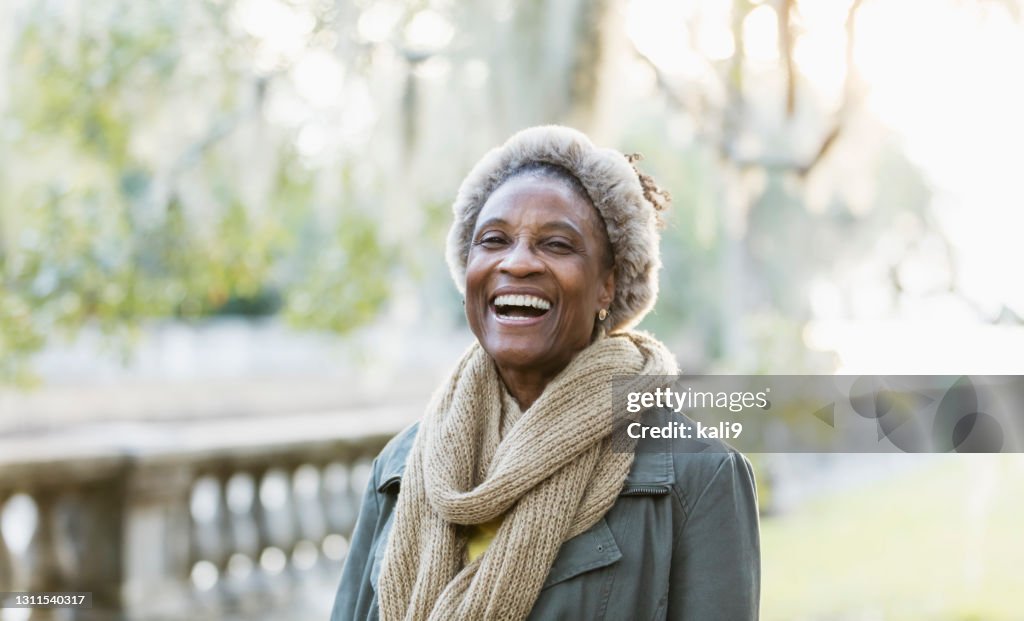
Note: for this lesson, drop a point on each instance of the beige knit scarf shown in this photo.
(550, 471)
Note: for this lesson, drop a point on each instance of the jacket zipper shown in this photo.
(644, 490)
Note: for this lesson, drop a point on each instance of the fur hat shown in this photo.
(628, 202)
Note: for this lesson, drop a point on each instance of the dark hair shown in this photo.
(659, 198)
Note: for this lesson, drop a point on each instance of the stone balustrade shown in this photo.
(234, 518)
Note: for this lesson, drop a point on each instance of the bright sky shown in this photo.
(944, 78)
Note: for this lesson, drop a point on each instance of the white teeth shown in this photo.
(514, 318)
(522, 300)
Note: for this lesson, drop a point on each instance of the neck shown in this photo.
(525, 385)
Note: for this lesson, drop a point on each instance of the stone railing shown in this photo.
(244, 518)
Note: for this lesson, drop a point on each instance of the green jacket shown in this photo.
(681, 542)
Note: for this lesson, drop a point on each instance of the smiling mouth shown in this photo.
(520, 307)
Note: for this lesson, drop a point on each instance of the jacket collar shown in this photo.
(392, 459)
(652, 466)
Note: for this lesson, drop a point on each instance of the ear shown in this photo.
(607, 293)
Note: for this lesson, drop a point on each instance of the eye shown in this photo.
(559, 245)
(491, 240)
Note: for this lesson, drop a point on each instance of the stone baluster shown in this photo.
(259, 513)
(272, 559)
(307, 527)
(90, 532)
(339, 510)
(6, 563)
(263, 585)
(72, 517)
(155, 512)
(43, 549)
(207, 548)
(329, 544)
(241, 575)
(241, 504)
(39, 561)
(280, 495)
(225, 537)
(289, 524)
(310, 514)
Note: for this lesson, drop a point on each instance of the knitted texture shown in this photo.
(550, 471)
(628, 209)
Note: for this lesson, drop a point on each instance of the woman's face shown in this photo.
(536, 274)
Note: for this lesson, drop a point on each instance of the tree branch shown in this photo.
(848, 96)
(786, 53)
(803, 167)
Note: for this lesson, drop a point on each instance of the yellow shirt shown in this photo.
(481, 536)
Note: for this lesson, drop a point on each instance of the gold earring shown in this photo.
(601, 314)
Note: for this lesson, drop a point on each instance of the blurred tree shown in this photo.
(144, 179)
(189, 158)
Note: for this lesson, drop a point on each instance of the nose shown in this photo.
(521, 260)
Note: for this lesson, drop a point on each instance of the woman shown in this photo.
(507, 500)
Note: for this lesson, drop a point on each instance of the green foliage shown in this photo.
(134, 188)
(347, 285)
